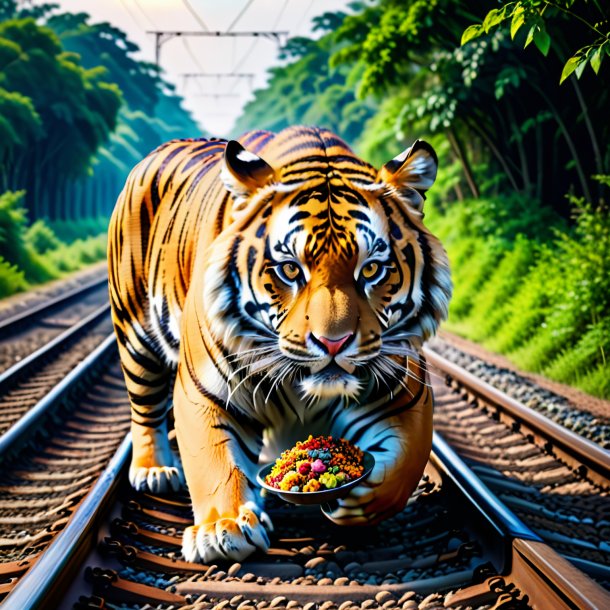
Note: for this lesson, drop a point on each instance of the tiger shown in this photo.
(264, 289)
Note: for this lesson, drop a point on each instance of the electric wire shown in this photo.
(195, 14)
(145, 14)
(132, 15)
(239, 15)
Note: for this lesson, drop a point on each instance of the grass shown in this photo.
(33, 254)
(539, 296)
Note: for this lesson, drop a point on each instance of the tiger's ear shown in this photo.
(412, 172)
(243, 172)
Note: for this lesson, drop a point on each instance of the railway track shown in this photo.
(54, 457)
(74, 535)
(27, 330)
(432, 555)
(77, 321)
(556, 481)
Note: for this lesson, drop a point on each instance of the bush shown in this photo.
(540, 294)
(11, 279)
(70, 257)
(35, 254)
(41, 237)
(70, 230)
(14, 246)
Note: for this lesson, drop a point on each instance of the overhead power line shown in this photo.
(239, 15)
(144, 13)
(162, 36)
(132, 14)
(194, 57)
(218, 76)
(280, 14)
(195, 14)
(247, 54)
(216, 95)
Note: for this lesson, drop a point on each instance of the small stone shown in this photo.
(236, 600)
(292, 604)
(222, 604)
(276, 601)
(383, 597)
(236, 567)
(325, 581)
(352, 567)
(309, 606)
(429, 601)
(327, 605)
(389, 604)
(406, 597)
(210, 569)
(246, 605)
(316, 561)
(332, 569)
(341, 581)
(410, 604)
(249, 577)
(367, 603)
(346, 604)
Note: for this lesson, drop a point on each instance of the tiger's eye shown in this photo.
(370, 270)
(291, 271)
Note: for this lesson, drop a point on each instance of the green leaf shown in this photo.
(580, 68)
(596, 60)
(569, 67)
(517, 21)
(472, 31)
(530, 36)
(492, 18)
(542, 41)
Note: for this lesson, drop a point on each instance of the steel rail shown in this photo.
(24, 426)
(587, 452)
(16, 320)
(548, 579)
(42, 583)
(491, 508)
(541, 574)
(10, 375)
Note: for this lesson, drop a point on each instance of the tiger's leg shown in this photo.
(219, 456)
(401, 447)
(154, 467)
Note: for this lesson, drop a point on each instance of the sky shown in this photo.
(215, 102)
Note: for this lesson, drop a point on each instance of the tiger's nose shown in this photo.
(332, 346)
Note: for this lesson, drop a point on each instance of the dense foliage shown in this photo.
(33, 254)
(520, 196)
(77, 111)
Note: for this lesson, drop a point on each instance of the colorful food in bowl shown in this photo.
(316, 470)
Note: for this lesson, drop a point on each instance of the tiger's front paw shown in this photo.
(228, 538)
(157, 479)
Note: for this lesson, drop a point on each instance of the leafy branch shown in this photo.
(532, 15)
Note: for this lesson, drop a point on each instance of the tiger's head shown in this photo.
(329, 269)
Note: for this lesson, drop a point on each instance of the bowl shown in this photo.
(316, 497)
